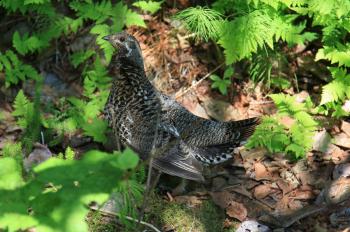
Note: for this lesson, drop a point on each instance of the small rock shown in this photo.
(252, 226)
(346, 106)
(342, 140)
(321, 141)
(302, 96)
(38, 155)
(345, 126)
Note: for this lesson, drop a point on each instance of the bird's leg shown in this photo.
(154, 178)
(180, 188)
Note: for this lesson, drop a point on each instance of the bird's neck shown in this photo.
(129, 68)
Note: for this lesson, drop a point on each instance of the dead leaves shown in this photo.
(236, 210)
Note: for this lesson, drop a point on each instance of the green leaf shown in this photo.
(26, 2)
(150, 6)
(228, 72)
(69, 153)
(10, 174)
(244, 35)
(128, 159)
(80, 57)
(18, 44)
(96, 128)
(58, 193)
(132, 18)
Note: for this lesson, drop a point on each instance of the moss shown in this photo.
(100, 223)
(181, 218)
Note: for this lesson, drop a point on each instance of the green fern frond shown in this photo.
(244, 35)
(338, 54)
(337, 89)
(270, 134)
(150, 6)
(202, 21)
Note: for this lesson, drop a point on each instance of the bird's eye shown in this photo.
(122, 39)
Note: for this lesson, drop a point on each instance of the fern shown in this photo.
(254, 30)
(69, 154)
(339, 54)
(202, 21)
(335, 93)
(150, 6)
(23, 109)
(296, 140)
(270, 134)
(80, 57)
(14, 69)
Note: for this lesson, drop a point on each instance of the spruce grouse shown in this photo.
(144, 119)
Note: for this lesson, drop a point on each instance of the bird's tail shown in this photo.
(186, 169)
(245, 127)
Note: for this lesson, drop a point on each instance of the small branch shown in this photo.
(110, 213)
(200, 81)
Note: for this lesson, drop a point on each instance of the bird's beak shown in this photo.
(106, 37)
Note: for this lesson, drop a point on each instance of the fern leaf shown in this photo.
(245, 35)
(150, 6)
(69, 153)
(338, 54)
(132, 18)
(337, 89)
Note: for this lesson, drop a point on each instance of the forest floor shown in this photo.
(312, 194)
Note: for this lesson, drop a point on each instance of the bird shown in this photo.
(152, 123)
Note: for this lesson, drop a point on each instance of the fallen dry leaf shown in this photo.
(338, 155)
(261, 191)
(236, 210)
(338, 190)
(302, 195)
(222, 198)
(191, 201)
(287, 121)
(261, 172)
(284, 186)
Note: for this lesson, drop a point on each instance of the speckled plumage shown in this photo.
(144, 119)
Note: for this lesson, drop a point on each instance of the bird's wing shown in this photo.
(202, 132)
(179, 160)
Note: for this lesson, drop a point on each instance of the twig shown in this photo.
(200, 81)
(150, 164)
(110, 213)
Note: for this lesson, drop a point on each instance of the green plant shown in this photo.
(203, 21)
(150, 6)
(294, 139)
(52, 200)
(14, 69)
(335, 93)
(224, 83)
(28, 116)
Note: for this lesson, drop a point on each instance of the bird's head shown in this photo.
(128, 49)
